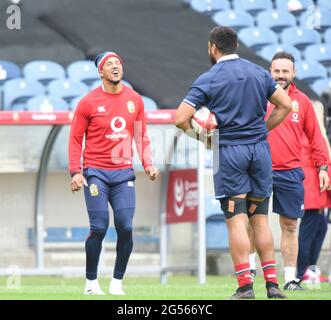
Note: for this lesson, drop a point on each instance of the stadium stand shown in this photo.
(310, 71)
(322, 85)
(321, 20)
(67, 89)
(269, 51)
(234, 19)
(253, 7)
(320, 53)
(44, 103)
(16, 93)
(257, 38)
(276, 20)
(84, 71)
(74, 102)
(294, 6)
(300, 37)
(210, 6)
(324, 4)
(9, 70)
(149, 103)
(327, 36)
(36, 41)
(43, 71)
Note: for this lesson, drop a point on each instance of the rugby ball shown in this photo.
(204, 121)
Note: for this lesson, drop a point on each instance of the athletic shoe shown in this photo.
(245, 292)
(293, 285)
(115, 287)
(273, 291)
(96, 290)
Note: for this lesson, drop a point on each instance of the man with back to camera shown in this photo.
(109, 117)
(285, 145)
(237, 91)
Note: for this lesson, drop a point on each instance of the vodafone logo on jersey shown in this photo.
(117, 124)
(182, 202)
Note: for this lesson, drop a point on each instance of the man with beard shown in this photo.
(285, 145)
(237, 92)
(109, 117)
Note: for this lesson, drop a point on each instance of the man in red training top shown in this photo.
(285, 145)
(109, 118)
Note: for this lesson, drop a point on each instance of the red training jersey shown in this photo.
(109, 123)
(314, 198)
(285, 139)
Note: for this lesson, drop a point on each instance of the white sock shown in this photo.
(289, 274)
(116, 282)
(252, 263)
(92, 283)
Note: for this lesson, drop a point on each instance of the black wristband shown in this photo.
(325, 168)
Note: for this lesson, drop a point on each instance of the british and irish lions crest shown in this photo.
(94, 191)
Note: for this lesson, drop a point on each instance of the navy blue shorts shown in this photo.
(288, 197)
(244, 169)
(115, 187)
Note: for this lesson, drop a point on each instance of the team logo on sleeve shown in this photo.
(131, 106)
(94, 191)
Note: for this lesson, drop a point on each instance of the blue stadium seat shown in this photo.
(309, 71)
(253, 7)
(320, 20)
(127, 83)
(234, 19)
(319, 86)
(67, 89)
(149, 103)
(327, 36)
(43, 71)
(212, 206)
(84, 71)
(9, 70)
(300, 37)
(216, 233)
(257, 38)
(74, 103)
(277, 20)
(16, 92)
(44, 103)
(269, 51)
(79, 234)
(57, 234)
(320, 53)
(95, 84)
(294, 6)
(216, 230)
(209, 6)
(324, 4)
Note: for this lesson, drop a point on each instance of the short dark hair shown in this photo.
(283, 55)
(225, 39)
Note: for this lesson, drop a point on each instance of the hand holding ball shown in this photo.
(204, 122)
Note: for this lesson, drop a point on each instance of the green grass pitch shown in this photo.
(144, 288)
